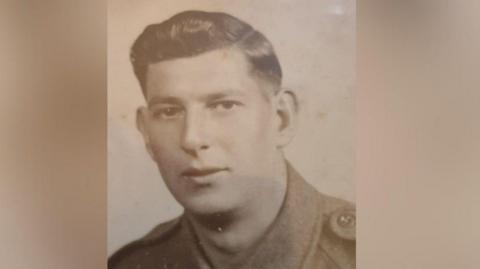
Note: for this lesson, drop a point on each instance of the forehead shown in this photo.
(223, 69)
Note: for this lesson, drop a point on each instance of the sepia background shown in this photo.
(315, 43)
(417, 150)
(53, 134)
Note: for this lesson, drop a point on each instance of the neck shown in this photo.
(231, 236)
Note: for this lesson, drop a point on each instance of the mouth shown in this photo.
(202, 175)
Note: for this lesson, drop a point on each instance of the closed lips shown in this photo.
(194, 172)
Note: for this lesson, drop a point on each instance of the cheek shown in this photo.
(251, 130)
(260, 123)
(169, 161)
(163, 142)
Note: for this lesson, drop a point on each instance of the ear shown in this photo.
(286, 108)
(142, 118)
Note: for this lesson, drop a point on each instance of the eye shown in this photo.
(224, 105)
(168, 112)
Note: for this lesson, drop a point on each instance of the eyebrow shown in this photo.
(208, 97)
(163, 100)
(223, 94)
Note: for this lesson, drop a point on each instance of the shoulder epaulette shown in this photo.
(342, 222)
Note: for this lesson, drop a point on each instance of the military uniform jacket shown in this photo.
(312, 230)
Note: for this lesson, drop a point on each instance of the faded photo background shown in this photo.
(315, 43)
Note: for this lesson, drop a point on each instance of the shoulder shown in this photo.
(339, 216)
(160, 240)
(338, 239)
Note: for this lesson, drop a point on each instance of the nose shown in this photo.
(194, 139)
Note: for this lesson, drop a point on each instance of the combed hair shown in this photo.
(191, 33)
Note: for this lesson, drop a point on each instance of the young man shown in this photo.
(215, 123)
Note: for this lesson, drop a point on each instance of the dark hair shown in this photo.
(191, 33)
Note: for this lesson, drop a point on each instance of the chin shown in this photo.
(208, 205)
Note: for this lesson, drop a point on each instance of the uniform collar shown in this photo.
(287, 243)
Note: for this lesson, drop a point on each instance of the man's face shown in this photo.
(212, 129)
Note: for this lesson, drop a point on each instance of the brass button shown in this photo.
(346, 220)
(343, 223)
